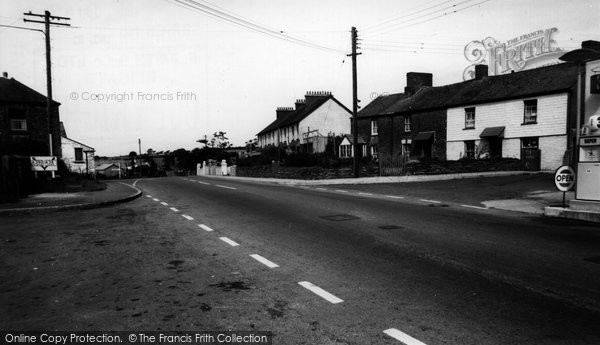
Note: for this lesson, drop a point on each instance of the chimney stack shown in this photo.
(283, 111)
(481, 71)
(5, 75)
(299, 103)
(312, 96)
(417, 80)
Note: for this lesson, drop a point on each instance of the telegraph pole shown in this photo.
(354, 39)
(48, 20)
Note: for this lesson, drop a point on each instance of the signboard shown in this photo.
(39, 163)
(531, 50)
(564, 178)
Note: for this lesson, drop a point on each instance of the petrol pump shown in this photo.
(588, 167)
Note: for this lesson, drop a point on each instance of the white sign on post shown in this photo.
(39, 163)
(564, 178)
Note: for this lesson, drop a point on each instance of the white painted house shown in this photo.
(516, 113)
(78, 157)
(308, 125)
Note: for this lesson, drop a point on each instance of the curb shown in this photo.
(560, 212)
(86, 206)
(376, 179)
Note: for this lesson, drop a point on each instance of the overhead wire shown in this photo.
(232, 18)
(391, 19)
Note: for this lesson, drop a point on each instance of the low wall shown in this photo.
(414, 168)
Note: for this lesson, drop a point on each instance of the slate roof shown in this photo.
(13, 91)
(529, 83)
(299, 114)
(106, 166)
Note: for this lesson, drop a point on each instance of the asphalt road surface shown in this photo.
(313, 265)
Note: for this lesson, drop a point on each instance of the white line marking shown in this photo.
(205, 227)
(148, 196)
(477, 207)
(362, 193)
(174, 209)
(164, 203)
(320, 188)
(228, 241)
(136, 181)
(432, 201)
(268, 263)
(395, 197)
(187, 217)
(155, 199)
(203, 182)
(403, 337)
(341, 191)
(218, 185)
(322, 293)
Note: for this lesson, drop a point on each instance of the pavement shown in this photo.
(115, 192)
(515, 191)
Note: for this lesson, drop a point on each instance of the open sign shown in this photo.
(564, 178)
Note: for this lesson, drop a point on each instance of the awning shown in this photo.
(492, 132)
(424, 136)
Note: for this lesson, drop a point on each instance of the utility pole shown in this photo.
(140, 151)
(47, 22)
(354, 39)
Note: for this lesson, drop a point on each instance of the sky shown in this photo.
(167, 74)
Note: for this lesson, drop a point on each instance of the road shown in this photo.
(315, 265)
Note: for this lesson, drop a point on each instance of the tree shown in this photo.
(219, 140)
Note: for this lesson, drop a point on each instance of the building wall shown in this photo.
(37, 128)
(68, 151)
(391, 132)
(551, 127)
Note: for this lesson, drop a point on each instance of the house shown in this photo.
(108, 170)
(308, 125)
(489, 116)
(410, 123)
(499, 116)
(24, 125)
(346, 149)
(78, 157)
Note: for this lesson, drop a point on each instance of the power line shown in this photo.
(433, 18)
(250, 25)
(370, 28)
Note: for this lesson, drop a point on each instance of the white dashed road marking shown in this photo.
(264, 261)
(174, 209)
(320, 292)
(319, 188)
(164, 203)
(477, 207)
(203, 182)
(228, 241)
(395, 197)
(403, 337)
(187, 217)
(155, 199)
(431, 201)
(148, 196)
(218, 185)
(202, 226)
(363, 193)
(341, 191)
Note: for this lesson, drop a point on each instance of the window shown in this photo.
(469, 117)
(530, 111)
(407, 124)
(345, 151)
(79, 154)
(18, 125)
(530, 143)
(406, 149)
(374, 127)
(470, 149)
(374, 151)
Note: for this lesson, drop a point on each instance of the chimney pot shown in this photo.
(5, 75)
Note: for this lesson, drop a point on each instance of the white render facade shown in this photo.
(330, 117)
(78, 158)
(548, 132)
